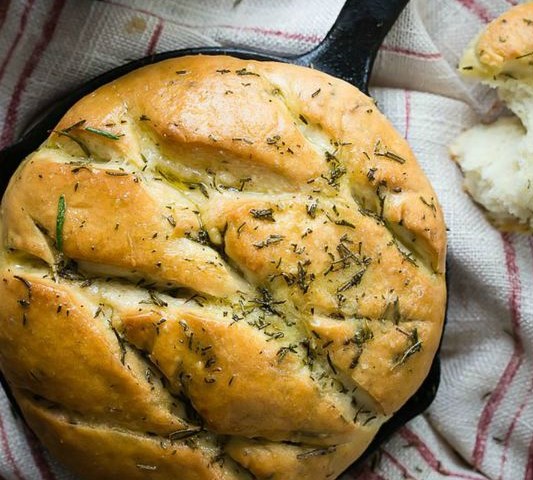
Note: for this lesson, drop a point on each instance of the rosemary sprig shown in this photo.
(103, 133)
(60, 221)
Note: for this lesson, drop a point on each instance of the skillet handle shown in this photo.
(351, 46)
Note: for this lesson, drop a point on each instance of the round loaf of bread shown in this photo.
(219, 269)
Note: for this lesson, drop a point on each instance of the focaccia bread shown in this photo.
(219, 269)
(497, 159)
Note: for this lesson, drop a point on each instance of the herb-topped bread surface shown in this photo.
(219, 269)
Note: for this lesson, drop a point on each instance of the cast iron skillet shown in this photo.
(347, 52)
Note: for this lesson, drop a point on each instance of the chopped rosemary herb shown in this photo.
(392, 156)
(369, 419)
(273, 139)
(303, 119)
(144, 118)
(200, 186)
(76, 170)
(181, 72)
(430, 205)
(156, 299)
(103, 133)
(317, 452)
(270, 240)
(388, 154)
(171, 220)
(240, 139)
(353, 282)
(311, 208)
(315, 93)
(283, 351)
(406, 255)
(202, 237)
(243, 71)
(362, 335)
(303, 279)
(336, 170)
(344, 223)
(330, 363)
(414, 345)
(26, 283)
(392, 312)
(121, 345)
(263, 214)
(239, 229)
(60, 221)
(267, 303)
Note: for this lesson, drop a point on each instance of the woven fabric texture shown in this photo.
(480, 426)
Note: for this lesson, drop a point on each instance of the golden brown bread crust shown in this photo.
(504, 49)
(253, 252)
(500, 56)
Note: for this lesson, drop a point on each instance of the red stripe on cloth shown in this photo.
(264, 31)
(411, 53)
(529, 466)
(7, 451)
(277, 33)
(4, 7)
(47, 33)
(512, 367)
(407, 95)
(477, 9)
(20, 32)
(508, 435)
(38, 456)
(429, 457)
(397, 464)
(154, 38)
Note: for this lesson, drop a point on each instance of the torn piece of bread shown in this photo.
(497, 159)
